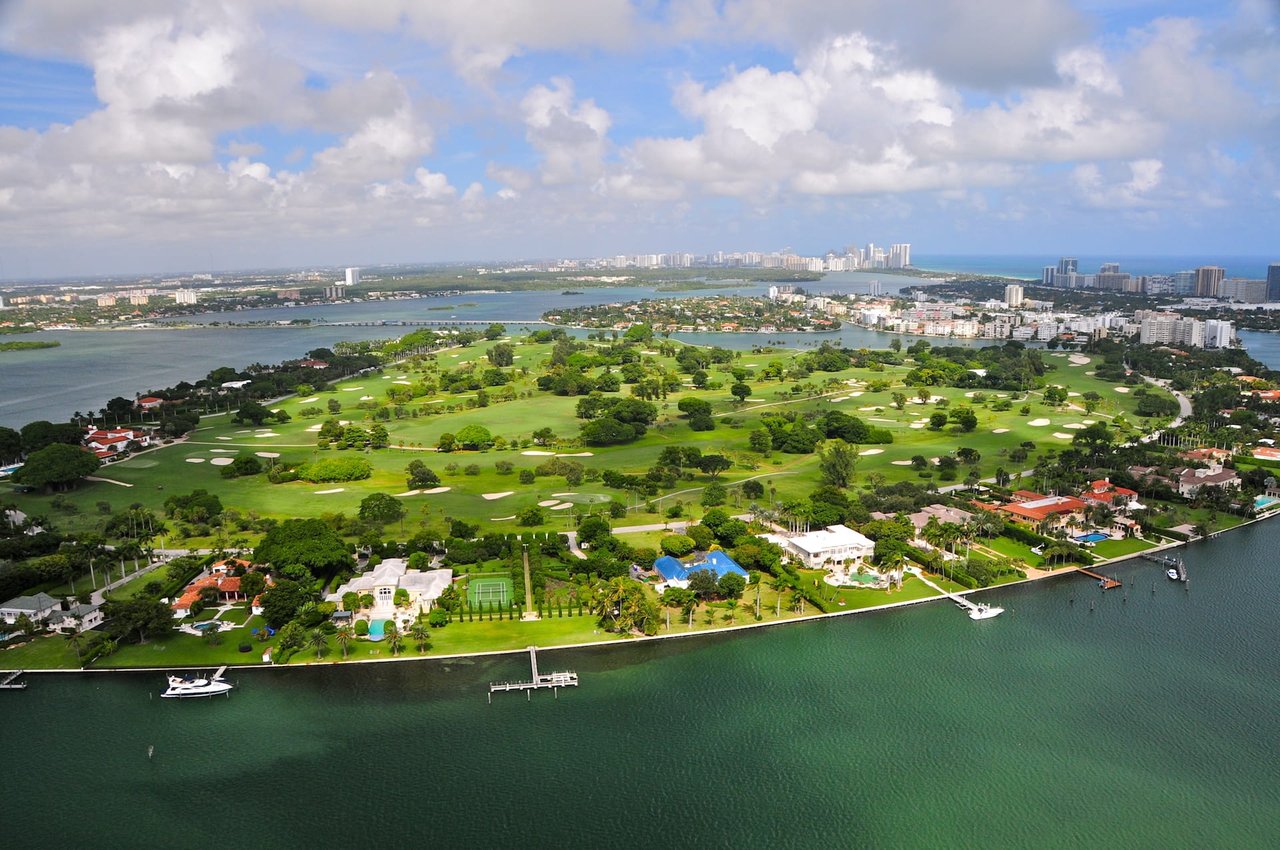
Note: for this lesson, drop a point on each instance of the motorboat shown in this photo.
(983, 611)
(186, 687)
(1172, 574)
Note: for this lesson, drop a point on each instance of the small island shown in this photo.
(726, 313)
(28, 345)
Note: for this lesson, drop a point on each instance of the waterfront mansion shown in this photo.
(423, 587)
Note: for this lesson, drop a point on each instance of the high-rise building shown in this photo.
(1184, 283)
(1047, 274)
(353, 277)
(336, 292)
(184, 296)
(900, 255)
(1243, 289)
(1219, 333)
(1013, 295)
(1109, 268)
(1209, 281)
(875, 288)
(1273, 282)
(1068, 265)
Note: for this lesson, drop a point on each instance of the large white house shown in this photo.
(38, 608)
(833, 546)
(423, 586)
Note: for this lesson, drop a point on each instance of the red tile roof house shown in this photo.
(116, 440)
(228, 590)
(1103, 492)
(1032, 508)
(150, 402)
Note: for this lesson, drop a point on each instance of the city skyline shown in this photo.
(140, 136)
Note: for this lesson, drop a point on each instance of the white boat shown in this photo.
(1172, 573)
(186, 687)
(983, 611)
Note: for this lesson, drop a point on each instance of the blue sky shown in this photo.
(150, 134)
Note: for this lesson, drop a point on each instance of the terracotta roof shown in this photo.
(1044, 507)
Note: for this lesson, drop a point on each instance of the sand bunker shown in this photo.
(267, 434)
(536, 453)
(999, 430)
(224, 451)
(501, 518)
(546, 503)
(1078, 359)
(867, 452)
(561, 506)
(228, 438)
(1090, 421)
(491, 496)
(1073, 395)
(900, 462)
(404, 383)
(221, 461)
(873, 419)
(408, 493)
(268, 454)
(351, 389)
(1122, 389)
(435, 490)
(917, 424)
(1075, 426)
(314, 428)
(330, 492)
(366, 398)
(195, 460)
(1061, 436)
(576, 454)
(1038, 423)
(309, 400)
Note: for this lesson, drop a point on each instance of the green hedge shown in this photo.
(1022, 534)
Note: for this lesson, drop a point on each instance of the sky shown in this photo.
(151, 135)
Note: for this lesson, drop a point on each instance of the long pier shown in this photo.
(1162, 560)
(555, 681)
(1107, 582)
(10, 682)
(971, 607)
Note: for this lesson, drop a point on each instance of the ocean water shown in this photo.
(1143, 717)
(1032, 265)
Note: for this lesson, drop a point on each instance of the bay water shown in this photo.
(1143, 717)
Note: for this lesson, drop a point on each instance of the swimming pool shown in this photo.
(1091, 537)
(208, 624)
(1263, 502)
(377, 629)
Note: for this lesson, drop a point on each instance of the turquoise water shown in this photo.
(1093, 537)
(1143, 717)
(377, 629)
(1262, 502)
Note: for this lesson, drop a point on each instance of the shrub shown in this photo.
(527, 476)
(362, 628)
(339, 468)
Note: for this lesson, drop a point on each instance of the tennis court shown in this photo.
(489, 591)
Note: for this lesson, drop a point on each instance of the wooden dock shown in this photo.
(1162, 560)
(10, 681)
(555, 681)
(1106, 582)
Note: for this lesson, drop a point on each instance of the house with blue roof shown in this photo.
(675, 573)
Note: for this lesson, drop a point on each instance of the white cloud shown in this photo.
(570, 135)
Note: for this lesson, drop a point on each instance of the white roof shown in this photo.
(831, 537)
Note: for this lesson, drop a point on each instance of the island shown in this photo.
(734, 313)
(464, 490)
(28, 345)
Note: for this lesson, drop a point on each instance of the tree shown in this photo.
(421, 634)
(837, 462)
(937, 421)
(731, 585)
(531, 516)
(56, 467)
(968, 455)
(760, 441)
(703, 583)
(740, 391)
(713, 465)
(446, 442)
(502, 354)
(899, 400)
(544, 436)
(677, 545)
(474, 437)
(344, 636)
(252, 583)
(318, 641)
(965, 418)
(309, 542)
(421, 476)
(10, 445)
(281, 603)
(381, 509)
(252, 413)
(714, 494)
(752, 489)
(595, 532)
(138, 616)
(395, 640)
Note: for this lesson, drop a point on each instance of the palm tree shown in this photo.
(344, 636)
(395, 640)
(76, 643)
(421, 634)
(318, 641)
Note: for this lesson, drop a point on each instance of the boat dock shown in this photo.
(1162, 560)
(555, 681)
(1107, 582)
(971, 607)
(9, 681)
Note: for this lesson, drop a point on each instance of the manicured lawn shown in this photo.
(43, 653)
(1119, 548)
(1013, 549)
